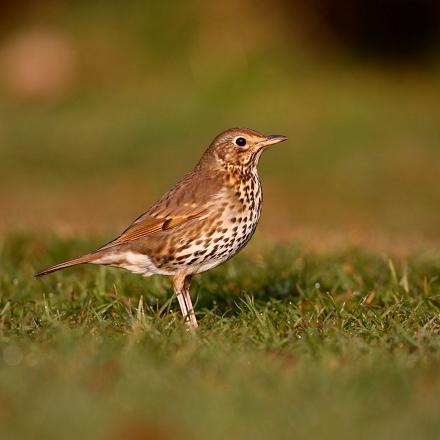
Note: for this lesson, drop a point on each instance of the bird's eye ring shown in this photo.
(240, 141)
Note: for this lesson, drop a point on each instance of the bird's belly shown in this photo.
(135, 262)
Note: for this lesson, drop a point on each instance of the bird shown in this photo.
(201, 222)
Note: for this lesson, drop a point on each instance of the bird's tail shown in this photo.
(89, 258)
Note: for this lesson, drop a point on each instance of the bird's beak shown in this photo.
(272, 140)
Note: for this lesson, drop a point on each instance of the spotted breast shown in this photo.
(235, 223)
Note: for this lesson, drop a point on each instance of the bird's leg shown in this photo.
(191, 314)
(181, 284)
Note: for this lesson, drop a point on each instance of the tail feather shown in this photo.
(80, 260)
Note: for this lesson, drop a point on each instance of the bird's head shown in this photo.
(241, 148)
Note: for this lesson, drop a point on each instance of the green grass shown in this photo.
(291, 344)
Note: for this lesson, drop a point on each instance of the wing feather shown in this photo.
(151, 225)
(193, 198)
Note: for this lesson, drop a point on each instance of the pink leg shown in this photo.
(190, 308)
(181, 288)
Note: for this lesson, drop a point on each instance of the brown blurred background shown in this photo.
(104, 105)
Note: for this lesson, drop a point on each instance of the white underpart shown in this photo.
(132, 261)
(210, 265)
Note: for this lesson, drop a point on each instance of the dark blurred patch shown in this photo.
(394, 29)
(20, 13)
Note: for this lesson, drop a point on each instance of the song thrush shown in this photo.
(203, 221)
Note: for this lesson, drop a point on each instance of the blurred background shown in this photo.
(104, 105)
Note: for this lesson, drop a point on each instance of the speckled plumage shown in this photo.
(203, 221)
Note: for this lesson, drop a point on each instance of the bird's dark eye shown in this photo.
(241, 142)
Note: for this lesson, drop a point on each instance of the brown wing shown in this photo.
(192, 198)
(151, 225)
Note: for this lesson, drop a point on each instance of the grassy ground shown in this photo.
(292, 344)
(295, 340)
